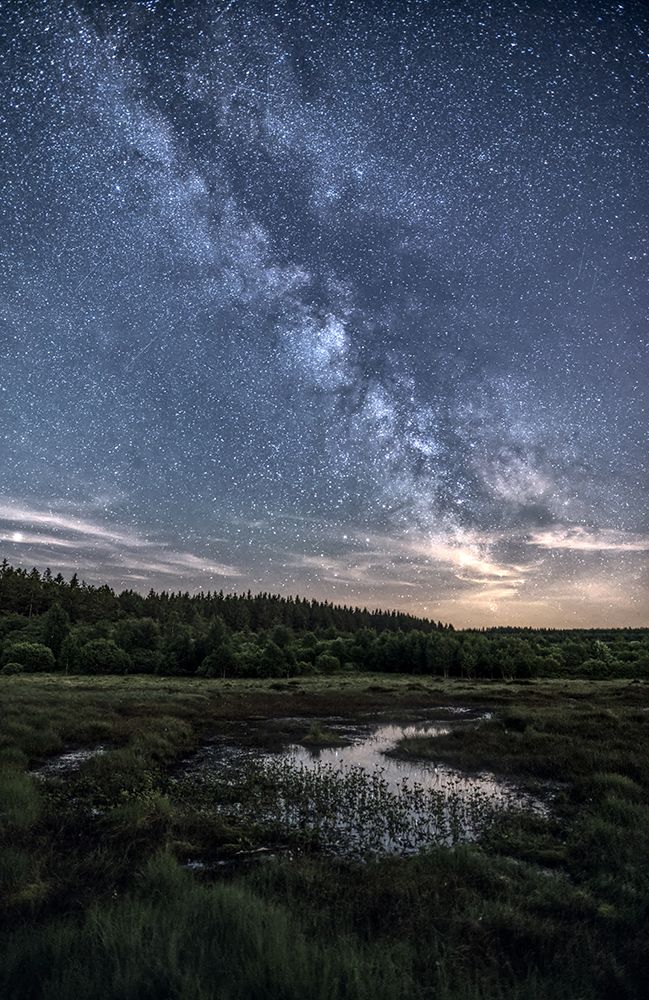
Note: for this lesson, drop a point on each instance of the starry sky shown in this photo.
(344, 299)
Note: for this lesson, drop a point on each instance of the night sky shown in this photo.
(340, 299)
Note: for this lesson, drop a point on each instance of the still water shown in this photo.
(357, 798)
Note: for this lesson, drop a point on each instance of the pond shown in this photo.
(353, 798)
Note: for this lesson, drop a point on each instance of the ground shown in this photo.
(97, 903)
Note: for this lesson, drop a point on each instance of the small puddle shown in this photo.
(71, 760)
(354, 799)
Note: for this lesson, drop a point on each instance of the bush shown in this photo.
(32, 656)
(146, 661)
(303, 668)
(596, 669)
(221, 663)
(12, 668)
(138, 633)
(273, 661)
(103, 656)
(327, 663)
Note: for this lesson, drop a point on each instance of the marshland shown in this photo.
(218, 797)
(171, 837)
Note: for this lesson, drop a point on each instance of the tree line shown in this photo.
(48, 623)
(32, 593)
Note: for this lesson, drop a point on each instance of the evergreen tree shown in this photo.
(56, 626)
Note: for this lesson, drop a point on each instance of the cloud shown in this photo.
(582, 540)
(114, 550)
(16, 514)
(26, 538)
(516, 478)
(457, 558)
(470, 554)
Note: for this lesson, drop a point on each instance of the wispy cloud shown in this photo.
(116, 552)
(595, 540)
(468, 554)
(417, 562)
(25, 516)
(28, 538)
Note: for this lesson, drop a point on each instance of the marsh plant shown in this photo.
(354, 812)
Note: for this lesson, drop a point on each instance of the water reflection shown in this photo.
(368, 752)
(69, 760)
(354, 799)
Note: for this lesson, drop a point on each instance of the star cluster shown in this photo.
(340, 298)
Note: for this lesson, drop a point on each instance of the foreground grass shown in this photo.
(171, 937)
(95, 903)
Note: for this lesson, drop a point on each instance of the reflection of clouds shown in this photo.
(368, 751)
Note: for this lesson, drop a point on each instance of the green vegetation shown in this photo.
(172, 937)
(95, 901)
(570, 741)
(318, 736)
(48, 623)
(350, 813)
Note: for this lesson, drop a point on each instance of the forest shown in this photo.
(48, 623)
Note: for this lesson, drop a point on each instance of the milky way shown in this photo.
(340, 299)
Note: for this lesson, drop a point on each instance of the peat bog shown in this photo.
(341, 787)
(421, 838)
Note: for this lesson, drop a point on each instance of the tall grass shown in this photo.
(19, 801)
(175, 939)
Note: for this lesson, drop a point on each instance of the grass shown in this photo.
(319, 737)
(550, 741)
(171, 937)
(95, 902)
(19, 801)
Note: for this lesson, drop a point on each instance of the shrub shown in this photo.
(12, 668)
(103, 656)
(138, 633)
(146, 661)
(221, 663)
(596, 669)
(327, 663)
(32, 656)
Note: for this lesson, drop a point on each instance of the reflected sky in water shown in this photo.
(371, 744)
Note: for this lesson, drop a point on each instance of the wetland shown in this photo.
(361, 836)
